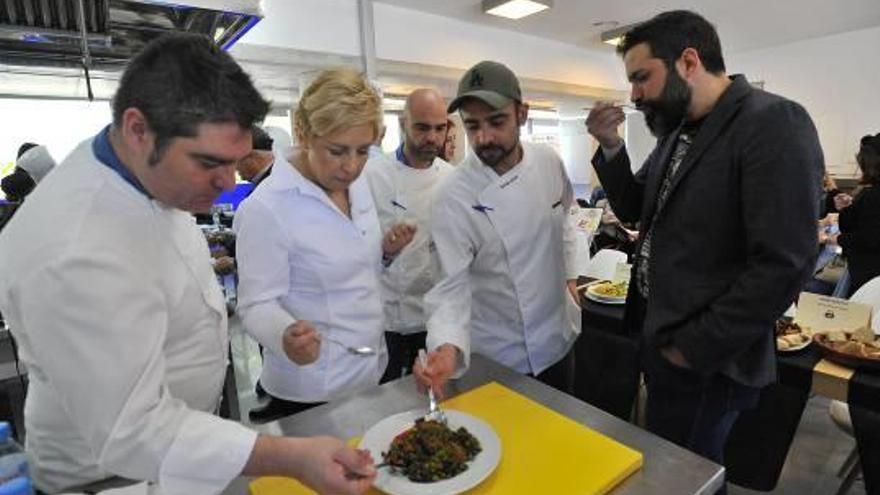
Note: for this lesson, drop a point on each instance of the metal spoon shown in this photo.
(357, 351)
(434, 412)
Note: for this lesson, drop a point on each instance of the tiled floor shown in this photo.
(818, 451)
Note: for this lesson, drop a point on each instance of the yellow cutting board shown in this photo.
(542, 451)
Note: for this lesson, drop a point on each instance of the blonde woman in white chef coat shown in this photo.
(310, 251)
(107, 285)
(508, 250)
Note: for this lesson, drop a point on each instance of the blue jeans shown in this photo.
(692, 410)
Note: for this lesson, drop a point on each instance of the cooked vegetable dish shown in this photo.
(610, 289)
(431, 451)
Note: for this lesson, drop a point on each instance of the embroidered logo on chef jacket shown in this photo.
(483, 208)
(509, 182)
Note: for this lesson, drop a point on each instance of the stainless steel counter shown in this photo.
(667, 468)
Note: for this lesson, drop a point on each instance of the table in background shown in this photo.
(608, 377)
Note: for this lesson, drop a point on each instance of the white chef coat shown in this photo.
(122, 326)
(506, 245)
(300, 258)
(403, 194)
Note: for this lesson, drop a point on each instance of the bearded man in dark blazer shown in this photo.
(727, 204)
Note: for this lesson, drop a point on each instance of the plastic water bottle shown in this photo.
(13, 464)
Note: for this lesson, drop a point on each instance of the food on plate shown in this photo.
(785, 326)
(848, 343)
(791, 342)
(431, 451)
(790, 336)
(610, 289)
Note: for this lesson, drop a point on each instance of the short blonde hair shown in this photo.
(337, 99)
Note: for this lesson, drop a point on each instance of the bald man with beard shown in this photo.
(403, 185)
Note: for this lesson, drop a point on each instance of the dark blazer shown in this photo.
(736, 238)
(261, 179)
(860, 237)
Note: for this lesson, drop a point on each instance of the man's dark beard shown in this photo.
(425, 152)
(492, 154)
(666, 113)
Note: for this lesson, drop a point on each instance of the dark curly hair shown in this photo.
(670, 33)
(181, 80)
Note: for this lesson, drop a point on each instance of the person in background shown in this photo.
(832, 197)
(717, 261)
(255, 167)
(126, 373)
(403, 187)
(33, 163)
(448, 151)
(506, 243)
(310, 250)
(612, 233)
(860, 218)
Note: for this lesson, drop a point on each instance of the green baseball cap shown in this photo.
(490, 82)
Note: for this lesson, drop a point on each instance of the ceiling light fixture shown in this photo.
(515, 9)
(614, 36)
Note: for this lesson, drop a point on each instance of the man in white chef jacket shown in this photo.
(106, 283)
(403, 185)
(507, 248)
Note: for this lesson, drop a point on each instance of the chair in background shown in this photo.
(604, 263)
(839, 410)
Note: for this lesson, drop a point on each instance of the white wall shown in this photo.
(410, 36)
(58, 124)
(836, 78)
(576, 150)
(316, 25)
(639, 140)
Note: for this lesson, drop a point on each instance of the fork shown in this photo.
(434, 412)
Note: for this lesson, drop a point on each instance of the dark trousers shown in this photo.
(402, 353)
(687, 408)
(691, 410)
(561, 375)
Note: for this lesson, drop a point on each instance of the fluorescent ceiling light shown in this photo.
(515, 9)
(614, 36)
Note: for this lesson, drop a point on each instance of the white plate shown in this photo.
(604, 300)
(378, 439)
(795, 348)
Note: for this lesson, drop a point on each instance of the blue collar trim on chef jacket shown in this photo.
(401, 156)
(104, 153)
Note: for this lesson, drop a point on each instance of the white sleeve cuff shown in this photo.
(207, 454)
(266, 322)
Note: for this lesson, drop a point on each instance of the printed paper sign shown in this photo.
(824, 313)
(587, 220)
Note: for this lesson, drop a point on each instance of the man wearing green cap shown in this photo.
(506, 246)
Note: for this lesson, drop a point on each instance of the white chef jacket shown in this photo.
(403, 194)
(506, 245)
(122, 326)
(300, 258)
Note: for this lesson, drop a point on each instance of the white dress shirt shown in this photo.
(300, 258)
(403, 194)
(122, 326)
(506, 245)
